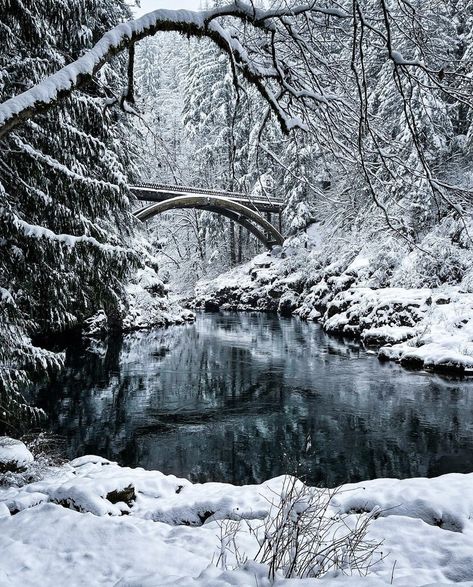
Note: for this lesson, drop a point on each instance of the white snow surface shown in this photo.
(14, 453)
(63, 530)
(429, 328)
(236, 277)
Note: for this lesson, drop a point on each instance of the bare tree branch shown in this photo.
(58, 86)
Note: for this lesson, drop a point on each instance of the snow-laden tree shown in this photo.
(64, 211)
(267, 47)
(407, 108)
(160, 63)
(209, 118)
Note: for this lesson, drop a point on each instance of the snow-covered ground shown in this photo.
(91, 522)
(429, 328)
(148, 306)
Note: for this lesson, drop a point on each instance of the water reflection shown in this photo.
(245, 397)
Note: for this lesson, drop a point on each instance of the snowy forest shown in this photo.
(345, 125)
(379, 157)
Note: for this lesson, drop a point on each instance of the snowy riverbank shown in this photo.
(148, 305)
(91, 522)
(430, 328)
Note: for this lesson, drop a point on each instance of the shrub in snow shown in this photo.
(439, 262)
(14, 456)
(301, 538)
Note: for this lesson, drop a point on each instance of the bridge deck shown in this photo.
(159, 193)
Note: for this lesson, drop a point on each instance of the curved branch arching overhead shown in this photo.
(243, 215)
(266, 72)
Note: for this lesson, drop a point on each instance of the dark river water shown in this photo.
(245, 397)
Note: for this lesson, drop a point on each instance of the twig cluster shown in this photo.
(302, 537)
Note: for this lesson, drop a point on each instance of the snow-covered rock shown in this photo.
(148, 306)
(443, 339)
(246, 287)
(14, 456)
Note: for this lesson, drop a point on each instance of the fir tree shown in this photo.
(64, 216)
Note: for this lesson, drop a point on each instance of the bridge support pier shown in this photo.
(268, 218)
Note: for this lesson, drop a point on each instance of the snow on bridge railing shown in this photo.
(205, 191)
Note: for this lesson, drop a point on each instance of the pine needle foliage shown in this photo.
(65, 224)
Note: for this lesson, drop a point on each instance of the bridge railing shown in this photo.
(206, 191)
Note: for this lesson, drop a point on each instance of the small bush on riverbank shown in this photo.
(301, 538)
(46, 451)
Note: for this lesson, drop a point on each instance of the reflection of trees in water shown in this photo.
(236, 397)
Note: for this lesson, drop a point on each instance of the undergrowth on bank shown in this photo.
(302, 537)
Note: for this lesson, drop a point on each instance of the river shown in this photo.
(245, 397)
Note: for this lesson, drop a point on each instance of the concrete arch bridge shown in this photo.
(254, 214)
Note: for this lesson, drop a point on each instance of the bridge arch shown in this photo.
(250, 219)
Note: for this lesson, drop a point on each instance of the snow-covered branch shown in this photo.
(271, 74)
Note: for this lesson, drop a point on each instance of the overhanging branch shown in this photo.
(49, 92)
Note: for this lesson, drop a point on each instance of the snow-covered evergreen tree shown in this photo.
(64, 215)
